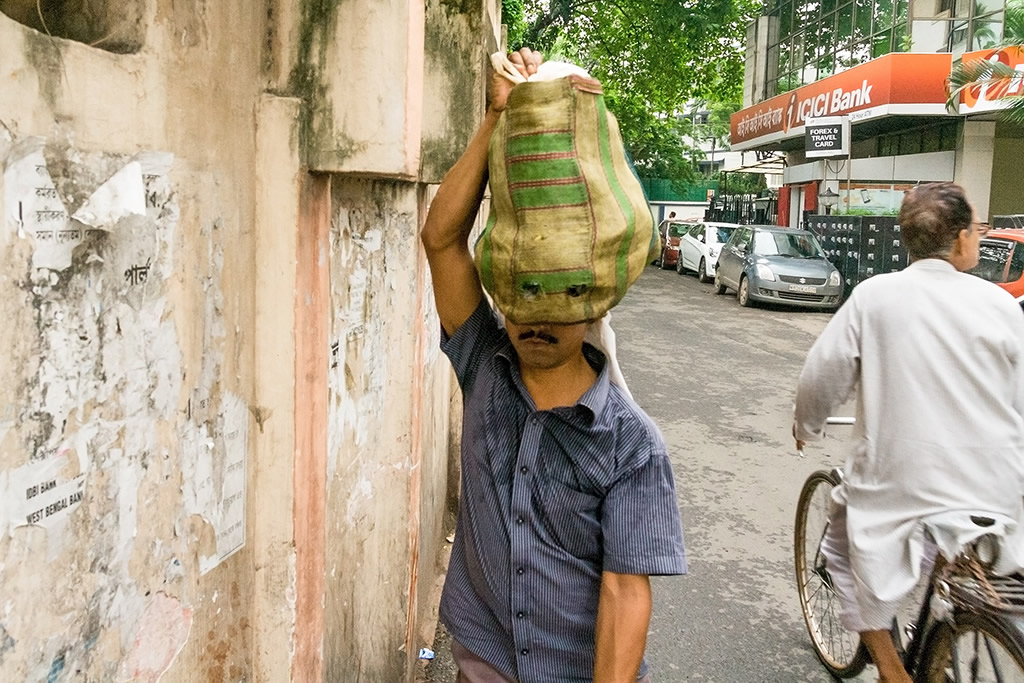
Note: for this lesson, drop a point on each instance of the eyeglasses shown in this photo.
(982, 228)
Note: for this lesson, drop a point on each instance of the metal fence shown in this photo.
(745, 209)
(664, 190)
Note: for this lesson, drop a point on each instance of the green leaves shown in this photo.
(652, 56)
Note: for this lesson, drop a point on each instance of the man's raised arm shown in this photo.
(445, 236)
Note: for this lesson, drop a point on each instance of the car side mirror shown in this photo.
(742, 246)
(701, 238)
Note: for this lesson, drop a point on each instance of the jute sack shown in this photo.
(570, 228)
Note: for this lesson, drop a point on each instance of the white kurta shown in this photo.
(938, 357)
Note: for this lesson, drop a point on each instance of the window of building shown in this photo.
(111, 25)
(939, 137)
(819, 38)
(956, 26)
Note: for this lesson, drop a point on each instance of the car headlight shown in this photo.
(834, 280)
(765, 273)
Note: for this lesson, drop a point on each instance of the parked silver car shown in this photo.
(776, 264)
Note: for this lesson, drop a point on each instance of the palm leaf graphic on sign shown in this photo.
(995, 76)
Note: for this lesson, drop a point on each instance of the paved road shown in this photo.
(719, 380)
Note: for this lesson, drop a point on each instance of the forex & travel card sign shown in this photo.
(827, 136)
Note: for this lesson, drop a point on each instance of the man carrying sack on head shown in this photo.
(568, 500)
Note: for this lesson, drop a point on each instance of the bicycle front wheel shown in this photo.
(838, 649)
(977, 647)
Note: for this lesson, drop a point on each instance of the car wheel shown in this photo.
(702, 271)
(719, 287)
(743, 293)
(679, 264)
(662, 261)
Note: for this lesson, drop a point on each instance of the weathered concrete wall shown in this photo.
(224, 419)
(126, 276)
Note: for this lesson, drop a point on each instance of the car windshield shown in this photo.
(722, 234)
(999, 261)
(676, 230)
(794, 244)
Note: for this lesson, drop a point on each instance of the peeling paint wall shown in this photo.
(126, 216)
(225, 448)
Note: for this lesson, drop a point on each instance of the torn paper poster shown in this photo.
(154, 164)
(35, 209)
(123, 195)
(215, 476)
(40, 493)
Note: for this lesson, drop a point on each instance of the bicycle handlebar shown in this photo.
(834, 420)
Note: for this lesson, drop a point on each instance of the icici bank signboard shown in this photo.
(894, 84)
(993, 96)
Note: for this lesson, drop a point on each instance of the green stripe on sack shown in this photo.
(487, 252)
(554, 282)
(539, 143)
(556, 194)
(542, 169)
(621, 261)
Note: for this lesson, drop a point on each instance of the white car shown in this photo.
(700, 246)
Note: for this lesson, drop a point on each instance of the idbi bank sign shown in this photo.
(894, 84)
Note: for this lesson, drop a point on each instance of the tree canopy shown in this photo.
(652, 56)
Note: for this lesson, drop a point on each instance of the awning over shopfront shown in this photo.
(897, 84)
(765, 163)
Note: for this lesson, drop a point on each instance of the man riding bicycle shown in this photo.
(938, 358)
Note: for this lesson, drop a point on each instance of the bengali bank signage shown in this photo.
(828, 136)
(992, 96)
(897, 83)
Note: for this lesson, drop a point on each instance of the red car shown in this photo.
(671, 232)
(1002, 260)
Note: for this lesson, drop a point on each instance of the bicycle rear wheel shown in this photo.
(838, 649)
(977, 647)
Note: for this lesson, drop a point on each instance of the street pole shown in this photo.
(849, 162)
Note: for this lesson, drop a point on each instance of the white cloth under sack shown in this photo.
(548, 71)
(601, 336)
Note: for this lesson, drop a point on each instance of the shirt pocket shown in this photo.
(572, 518)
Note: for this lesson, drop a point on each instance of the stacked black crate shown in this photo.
(849, 267)
(826, 230)
(873, 259)
(894, 251)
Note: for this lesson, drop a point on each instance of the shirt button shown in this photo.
(520, 571)
(519, 615)
(524, 469)
(524, 651)
(519, 520)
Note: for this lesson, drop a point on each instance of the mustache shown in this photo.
(543, 336)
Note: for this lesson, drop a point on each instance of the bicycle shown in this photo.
(969, 626)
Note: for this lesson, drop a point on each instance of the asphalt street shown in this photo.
(719, 381)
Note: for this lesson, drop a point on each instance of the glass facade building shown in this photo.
(814, 39)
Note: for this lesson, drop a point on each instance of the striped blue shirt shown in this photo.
(549, 500)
